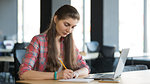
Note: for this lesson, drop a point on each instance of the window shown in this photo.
(131, 27)
(82, 31)
(148, 26)
(134, 30)
(28, 19)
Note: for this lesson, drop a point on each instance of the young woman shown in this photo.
(41, 60)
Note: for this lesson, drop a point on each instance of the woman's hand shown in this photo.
(80, 72)
(75, 74)
(65, 74)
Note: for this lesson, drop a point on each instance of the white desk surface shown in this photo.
(90, 56)
(133, 77)
(6, 59)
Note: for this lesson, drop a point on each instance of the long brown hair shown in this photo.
(70, 53)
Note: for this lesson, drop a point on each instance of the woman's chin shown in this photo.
(64, 35)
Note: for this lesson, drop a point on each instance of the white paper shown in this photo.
(76, 80)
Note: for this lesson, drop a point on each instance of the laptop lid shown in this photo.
(119, 68)
(121, 63)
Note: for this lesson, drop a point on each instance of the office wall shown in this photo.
(58, 3)
(8, 19)
(111, 23)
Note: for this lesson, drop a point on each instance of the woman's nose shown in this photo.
(69, 30)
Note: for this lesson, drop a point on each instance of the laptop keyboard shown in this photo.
(98, 75)
(102, 76)
(107, 76)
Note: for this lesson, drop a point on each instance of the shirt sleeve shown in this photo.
(30, 58)
(81, 62)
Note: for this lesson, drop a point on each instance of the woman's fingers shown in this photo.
(65, 74)
(75, 74)
(68, 74)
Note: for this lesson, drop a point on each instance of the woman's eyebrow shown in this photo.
(74, 25)
(67, 23)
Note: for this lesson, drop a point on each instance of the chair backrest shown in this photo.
(135, 68)
(107, 51)
(18, 52)
(105, 60)
(92, 46)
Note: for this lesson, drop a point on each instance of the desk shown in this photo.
(6, 60)
(133, 77)
(90, 56)
(5, 50)
(145, 58)
(139, 57)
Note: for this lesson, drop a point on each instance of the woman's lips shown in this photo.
(65, 33)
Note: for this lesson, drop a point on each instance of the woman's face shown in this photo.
(65, 27)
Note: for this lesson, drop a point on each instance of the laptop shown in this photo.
(118, 71)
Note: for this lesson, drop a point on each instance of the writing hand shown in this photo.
(75, 74)
(65, 74)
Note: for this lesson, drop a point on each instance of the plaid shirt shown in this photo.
(36, 55)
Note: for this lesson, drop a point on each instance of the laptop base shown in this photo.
(101, 76)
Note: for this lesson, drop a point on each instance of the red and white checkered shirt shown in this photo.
(36, 55)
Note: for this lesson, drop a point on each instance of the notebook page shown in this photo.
(76, 80)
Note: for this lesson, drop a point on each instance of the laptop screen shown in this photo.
(121, 63)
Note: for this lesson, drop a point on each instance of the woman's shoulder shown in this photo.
(40, 37)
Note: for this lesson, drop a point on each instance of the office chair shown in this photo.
(135, 68)
(18, 52)
(105, 60)
(107, 51)
(92, 46)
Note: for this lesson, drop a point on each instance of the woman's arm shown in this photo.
(84, 69)
(81, 72)
(37, 75)
(65, 74)
(29, 60)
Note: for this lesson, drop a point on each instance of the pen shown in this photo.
(62, 64)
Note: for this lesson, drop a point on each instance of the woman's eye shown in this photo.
(66, 25)
(72, 27)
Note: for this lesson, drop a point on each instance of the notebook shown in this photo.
(76, 80)
(118, 71)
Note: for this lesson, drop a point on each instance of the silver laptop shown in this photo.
(118, 71)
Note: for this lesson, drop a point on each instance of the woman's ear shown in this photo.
(55, 18)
